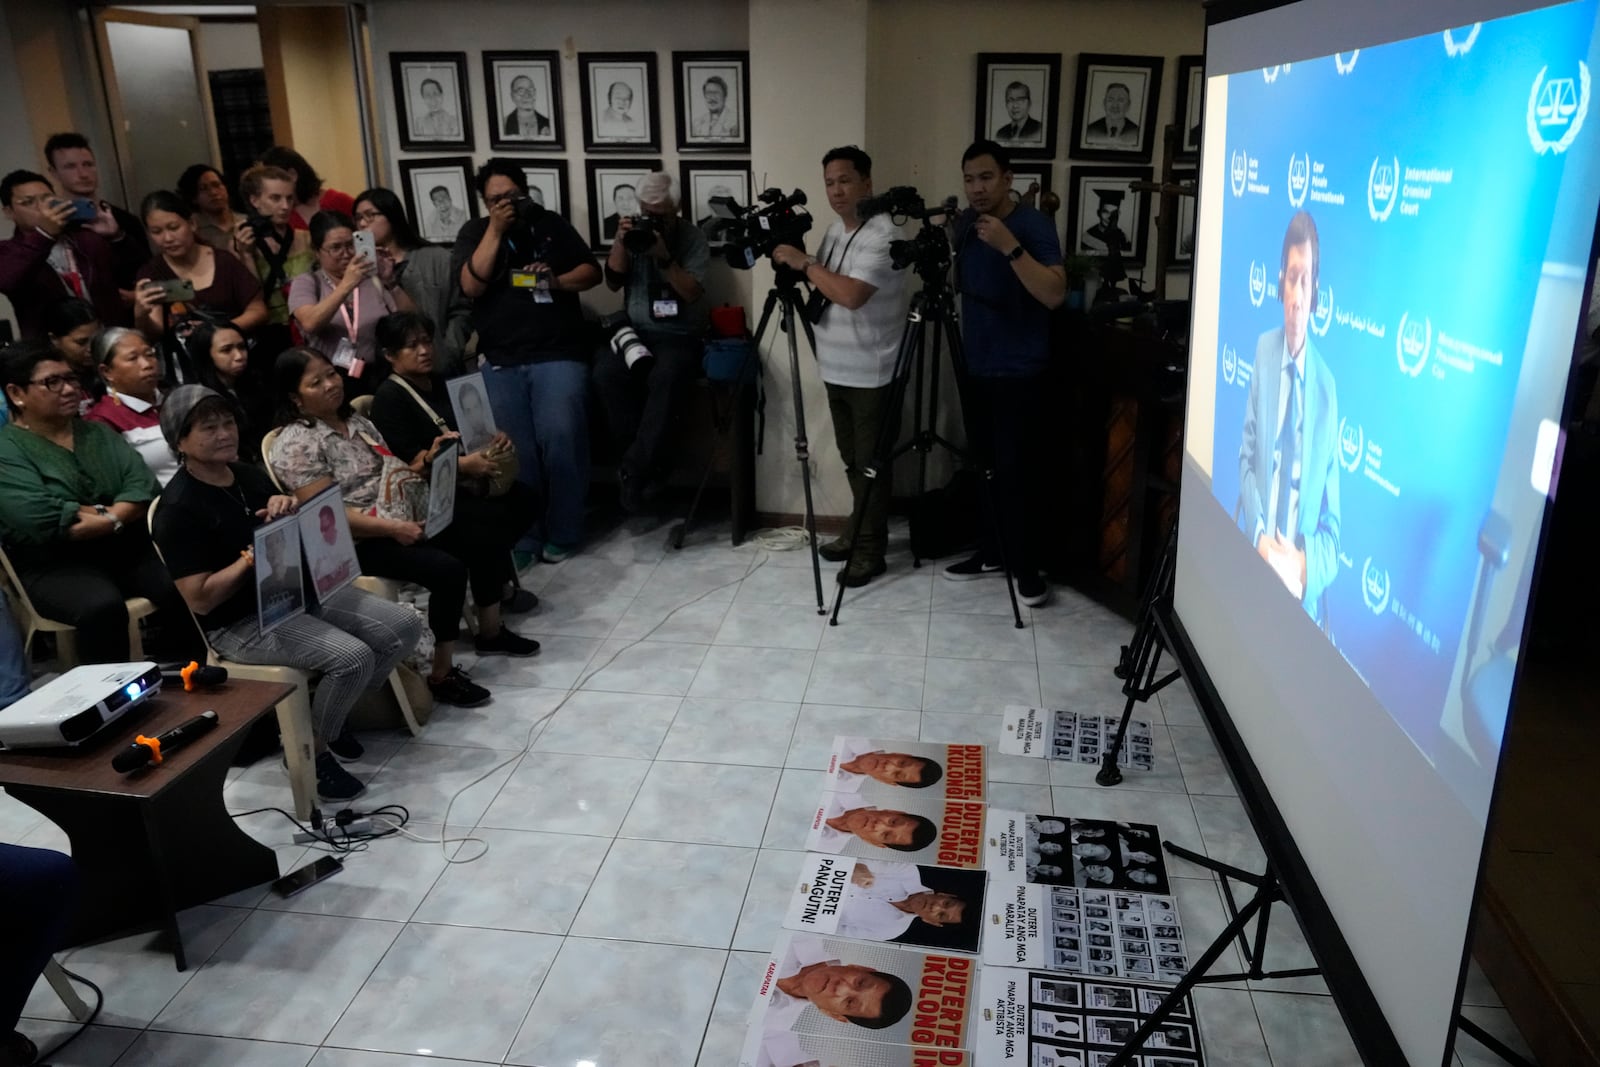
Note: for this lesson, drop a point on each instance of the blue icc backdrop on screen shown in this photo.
(1434, 224)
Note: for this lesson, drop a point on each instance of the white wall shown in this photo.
(230, 45)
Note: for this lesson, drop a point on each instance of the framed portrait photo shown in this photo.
(1191, 99)
(524, 94)
(613, 194)
(439, 196)
(1105, 215)
(1016, 107)
(431, 104)
(1114, 108)
(1180, 236)
(620, 112)
(1024, 176)
(711, 91)
(547, 184)
(702, 179)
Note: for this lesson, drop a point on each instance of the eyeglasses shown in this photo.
(368, 216)
(340, 248)
(56, 383)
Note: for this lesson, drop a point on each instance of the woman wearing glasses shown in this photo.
(423, 271)
(73, 522)
(338, 305)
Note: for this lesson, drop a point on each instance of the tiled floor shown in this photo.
(641, 842)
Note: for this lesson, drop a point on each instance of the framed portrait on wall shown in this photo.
(1180, 236)
(613, 194)
(439, 196)
(431, 103)
(1016, 107)
(547, 184)
(1191, 98)
(712, 93)
(620, 112)
(1104, 215)
(1024, 176)
(702, 179)
(523, 90)
(1114, 108)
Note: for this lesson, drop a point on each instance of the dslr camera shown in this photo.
(642, 237)
(753, 232)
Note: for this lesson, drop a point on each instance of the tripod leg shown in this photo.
(1490, 1042)
(802, 447)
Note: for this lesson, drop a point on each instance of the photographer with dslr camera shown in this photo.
(859, 308)
(523, 268)
(1009, 271)
(659, 261)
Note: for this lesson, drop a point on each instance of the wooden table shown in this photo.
(151, 843)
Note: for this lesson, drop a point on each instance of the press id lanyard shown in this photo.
(345, 355)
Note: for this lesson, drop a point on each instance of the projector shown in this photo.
(77, 705)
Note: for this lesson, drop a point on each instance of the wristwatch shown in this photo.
(1016, 253)
(105, 512)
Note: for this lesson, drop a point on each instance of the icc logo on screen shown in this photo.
(1258, 283)
(1299, 178)
(1352, 444)
(1238, 171)
(1270, 74)
(1322, 318)
(1374, 587)
(1383, 188)
(1556, 110)
(1413, 342)
(1230, 364)
(1455, 48)
(1343, 65)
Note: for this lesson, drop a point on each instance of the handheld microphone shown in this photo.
(192, 674)
(147, 750)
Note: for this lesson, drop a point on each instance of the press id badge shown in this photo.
(344, 355)
(663, 309)
(539, 283)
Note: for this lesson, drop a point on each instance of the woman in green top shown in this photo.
(73, 522)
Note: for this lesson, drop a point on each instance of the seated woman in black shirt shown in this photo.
(220, 358)
(493, 522)
(204, 526)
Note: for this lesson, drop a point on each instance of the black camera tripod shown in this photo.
(934, 303)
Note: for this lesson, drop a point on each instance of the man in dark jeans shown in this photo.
(664, 298)
(1008, 267)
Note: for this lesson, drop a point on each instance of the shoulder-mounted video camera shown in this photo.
(753, 232)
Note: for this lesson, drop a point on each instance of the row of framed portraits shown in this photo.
(1114, 109)
(439, 194)
(621, 113)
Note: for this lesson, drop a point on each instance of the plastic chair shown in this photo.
(63, 987)
(32, 622)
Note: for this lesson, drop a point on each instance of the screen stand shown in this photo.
(1141, 657)
(1259, 906)
(1490, 1042)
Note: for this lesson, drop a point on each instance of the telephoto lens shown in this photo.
(642, 238)
(625, 343)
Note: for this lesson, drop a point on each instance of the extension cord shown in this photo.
(333, 831)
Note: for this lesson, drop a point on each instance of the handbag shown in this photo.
(498, 482)
(402, 492)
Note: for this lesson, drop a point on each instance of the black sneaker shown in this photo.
(1033, 591)
(860, 572)
(505, 643)
(835, 551)
(345, 748)
(972, 568)
(334, 783)
(456, 688)
(630, 490)
(519, 602)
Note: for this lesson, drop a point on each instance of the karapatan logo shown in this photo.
(1238, 171)
(1322, 317)
(1343, 65)
(1454, 48)
(1413, 342)
(1258, 283)
(1299, 183)
(1556, 110)
(1230, 364)
(1352, 444)
(1383, 188)
(1374, 587)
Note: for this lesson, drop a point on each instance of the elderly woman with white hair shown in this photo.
(131, 371)
(660, 264)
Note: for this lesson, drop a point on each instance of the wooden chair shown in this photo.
(32, 622)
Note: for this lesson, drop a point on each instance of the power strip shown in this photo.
(333, 832)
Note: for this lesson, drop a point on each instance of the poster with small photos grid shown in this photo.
(1053, 1020)
(1058, 734)
(1095, 932)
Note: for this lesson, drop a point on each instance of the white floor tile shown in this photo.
(431, 780)
(567, 794)
(878, 633)
(663, 668)
(157, 1049)
(976, 687)
(525, 881)
(771, 626)
(753, 674)
(704, 803)
(772, 886)
(510, 721)
(386, 880)
(820, 724)
(1303, 1030)
(959, 636)
(100, 1046)
(752, 732)
(866, 681)
(609, 724)
(729, 1018)
(666, 892)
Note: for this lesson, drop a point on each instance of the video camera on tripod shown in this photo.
(929, 250)
(753, 232)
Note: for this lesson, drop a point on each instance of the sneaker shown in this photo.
(334, 783)
(520, 602)
(1033, 591)
(456, 688)
(522, 560)
(860, 572)
(972, 568)
(505, 643)
(554, 553)
(835, 551)
(345, 748)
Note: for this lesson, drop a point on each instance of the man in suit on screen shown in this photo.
(1288, 455)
